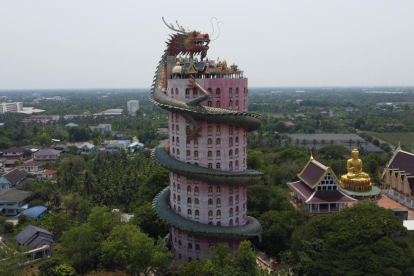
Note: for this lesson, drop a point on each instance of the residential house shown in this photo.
(49, 174)
(9, 163)
(36, 212)
(13, 153)
(32, 166)
(319, 189)
(32, 148)
(2, 161)
(86, 147)
(46, 155)
(11, 179)
(102, 128)
(12, 202)
(35, 237)
(61, 148)
(115, 145)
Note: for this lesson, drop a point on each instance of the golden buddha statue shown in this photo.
(355, 179)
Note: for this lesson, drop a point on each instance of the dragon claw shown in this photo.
(194, 134)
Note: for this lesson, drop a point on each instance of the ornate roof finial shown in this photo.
(311, 158)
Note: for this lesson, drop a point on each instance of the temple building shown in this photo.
(398, 177)
(319, 188)
(206, 202)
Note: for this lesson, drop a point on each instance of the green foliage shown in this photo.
(56, 223)
(24, 220)
(147, 220)
(47, 267)
(10, 264)
(6, 226)
(64, 270)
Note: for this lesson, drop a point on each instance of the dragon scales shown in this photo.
(201, 179)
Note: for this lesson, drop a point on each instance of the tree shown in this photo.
(47, 266)
(56, 223)
(128, 248)
(376, 143)
(64, 270)
(11, 260)
(147, 220)
(245, 258)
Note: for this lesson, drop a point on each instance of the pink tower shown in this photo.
(206, 202)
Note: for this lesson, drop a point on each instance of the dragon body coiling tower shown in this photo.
(206, 202)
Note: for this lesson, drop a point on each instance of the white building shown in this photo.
(133, 106)
(11, 107)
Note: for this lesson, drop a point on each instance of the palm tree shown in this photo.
(304, 142)
(323, 142)
(315, 142)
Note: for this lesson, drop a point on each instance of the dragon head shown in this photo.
(191, 42)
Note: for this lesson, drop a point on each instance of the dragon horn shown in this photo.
(172, 27)
(181, 27)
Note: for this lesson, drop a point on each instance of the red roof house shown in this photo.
(319, 188)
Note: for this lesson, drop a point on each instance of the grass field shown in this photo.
(405, 138)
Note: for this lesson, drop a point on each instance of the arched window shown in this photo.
(218, 153)
(195, 91)
(173, 150)
(237, 103)
(172, 91)
(210, 223)
(209, 129)
(218, 189)
(178, 151)
(174, 185)
(173, 139)
(197, 246)
(190, 246)
(218, 201)
(237, 220)
(174, 197)
(218, 141)
(218, 166)
(230, 152)
(244, 161)
(176, 91)
(178, 140)
(188, 188)
(237, 209)
(179, 198)
(179, 242)
(187, 92)
(196, 201)
(196, 189)
(237, 163)
(218, 104)
(196, 153)
(210, 201)
(210, 141)
(209, 90)
(237, 139)
(231, 189)
(218, 91)
(218, 213)
(218, 128)
(209, 103)
(195, 141)
(231, 140)
(177, 127)
(230, 90)
(172, 126)
(231, 199)
(218, 223)
(231, 211)
(179, 209)
(189, 212)
(230, 164)
(231, 222)
(197, 212)
(209, 153)
(210, 165)
(187, 129)
(230, 103)
(210, 213)
(237, 91)
(237, 151)
(244, 138)
(237, 197)
(177, 116)
(188, 153)
(178, 186)
(210, 189)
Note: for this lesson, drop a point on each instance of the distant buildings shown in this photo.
(11, 107)
(102, 128)
(11, 179)
(36, 212)
(71, 125)
(110, 112)
(13, 153)
(133, 106)
(40, 118)
(13, 201)
(71, 116)
(115, 145)
(46, 155)
(86, 147)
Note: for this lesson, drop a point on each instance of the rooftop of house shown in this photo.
(14, 149)
(46, 152)
(14, 195)
(29, 232)
(86, 144)
(49, 172)
(32, 164)
(15, 175)
(33, 212)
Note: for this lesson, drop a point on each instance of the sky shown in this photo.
(118, 44)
